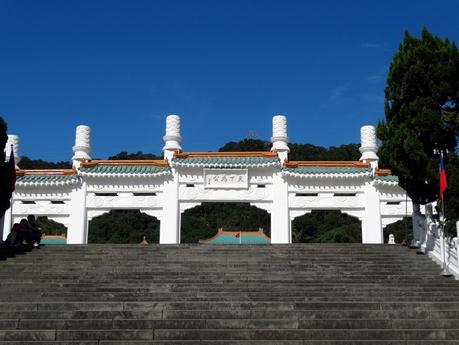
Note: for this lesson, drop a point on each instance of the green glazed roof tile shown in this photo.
(125, 169)
(48, 179)
(327, 170)
(48, 240)
(389, 178)
(226, 161)
(254, 238)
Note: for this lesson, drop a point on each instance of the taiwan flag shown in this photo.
(443, 182)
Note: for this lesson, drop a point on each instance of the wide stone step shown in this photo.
(198, 294)
(238, 342)
(239, 323)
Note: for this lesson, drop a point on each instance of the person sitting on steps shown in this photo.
(36, 230)
(14, 238)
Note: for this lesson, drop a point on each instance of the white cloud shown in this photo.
(338, 91)
(375, 78)
(375, 46)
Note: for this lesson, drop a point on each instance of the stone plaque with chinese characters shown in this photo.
(226, 178)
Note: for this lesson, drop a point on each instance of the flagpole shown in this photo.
(445, 272)
(443, 195)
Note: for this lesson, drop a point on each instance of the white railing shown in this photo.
(429, 236)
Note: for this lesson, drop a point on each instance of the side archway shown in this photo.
(401, 229)
(326, 226)
(123, 226)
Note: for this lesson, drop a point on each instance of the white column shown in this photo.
(280, 219)
(77, 232)
(7, 222)
(280, 137)
(369, 147)
(13, 141)
(372, 231)
(82, 146)
(418, 225)
(457, 243)
(363, 224)
(173, 138)
(169, 229)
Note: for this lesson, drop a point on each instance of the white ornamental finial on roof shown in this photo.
(173, 137)
(82, 146)
(280, 137)
(369, 147)
(13, 141)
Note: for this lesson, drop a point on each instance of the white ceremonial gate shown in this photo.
(182, 180)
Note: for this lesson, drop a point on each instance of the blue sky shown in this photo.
(226, 67)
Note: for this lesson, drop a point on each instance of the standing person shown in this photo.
(36, 230)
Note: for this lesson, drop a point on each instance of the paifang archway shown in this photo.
(166, 188)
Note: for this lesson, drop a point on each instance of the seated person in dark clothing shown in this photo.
(36, 230)
(14, 238)
(26, 232)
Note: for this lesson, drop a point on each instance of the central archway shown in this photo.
(326, 226)
(203, 221)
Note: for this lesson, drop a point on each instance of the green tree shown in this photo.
(422, 110)
(452, 194)
(246, 145)
(307, 152)
(134, 156)
(27, 163)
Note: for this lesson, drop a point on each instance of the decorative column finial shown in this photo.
(173, 138)
(82, 146)
(280, 137)
(13, 142)
(369, 147)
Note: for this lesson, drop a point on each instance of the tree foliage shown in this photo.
(134, 156)
(452, 194)
(27, 163)
(246, 145)
(307, 152)
(422, 110)
(51, 227)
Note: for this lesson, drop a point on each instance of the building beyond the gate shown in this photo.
(182, 180)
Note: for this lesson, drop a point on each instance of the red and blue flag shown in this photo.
(443, 181)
